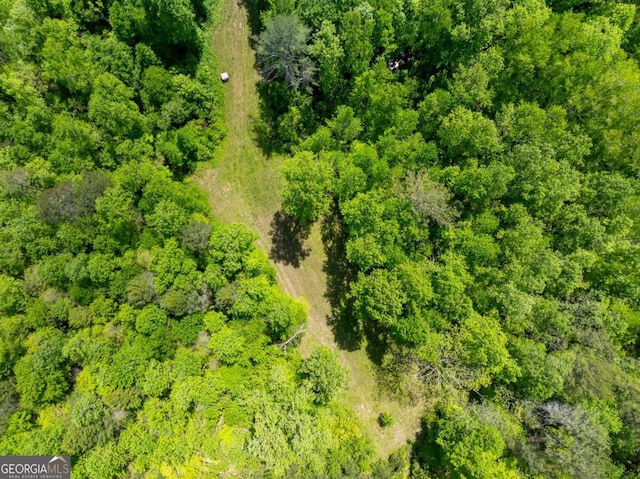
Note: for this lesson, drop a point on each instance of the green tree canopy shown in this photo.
(282, 52)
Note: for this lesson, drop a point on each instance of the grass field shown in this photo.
(245, 187)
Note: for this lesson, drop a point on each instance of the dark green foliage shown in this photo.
(111, 349)
(157, 87)
(72, 200)
(385, 419)
(282, 52)
(141, 289)
(475, 168)
(482, 183)
(179, 302)
(8, 403)
(171, 29)
(196, 236)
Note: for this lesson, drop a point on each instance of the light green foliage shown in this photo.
(482, 185)
(64, 60)
(483, 347)
(111, 108)
(379, 100)
(543, 184)
(171, 265)
(12, 295)
(213, 321)
(251, 297)
(472, 448)
(106, 278)
(287, 432)
(229, 244)
(88, 346)
(76, 145)
(329, 53)
(227, 345)
(475, 168)
(13, 334)
(366, 158)
(323, 374)
(102, 462)
(284, 315)
(485, 178)
(100, 268)
(356, 38)
(379, 297)
(450, 280)
(150, 318)
(258, 298)
(157, 379)
(309, 182)
(115, 217)
(42, 375)
(385, 419)
(541, 374)
(345, 125)
(374, 229)
(468, 134)
(167, 218)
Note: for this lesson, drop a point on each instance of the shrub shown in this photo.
(385, 419)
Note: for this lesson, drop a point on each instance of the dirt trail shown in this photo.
(245, 187)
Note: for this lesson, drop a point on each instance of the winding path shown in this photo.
(245, 187)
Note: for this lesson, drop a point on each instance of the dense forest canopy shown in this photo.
(479, 162)
(474, 165)
(138, 334)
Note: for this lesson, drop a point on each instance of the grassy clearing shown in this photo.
(245, 186)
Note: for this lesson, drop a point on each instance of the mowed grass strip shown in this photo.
(244, 186)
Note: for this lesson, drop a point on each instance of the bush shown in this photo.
(385, 419)
(323, 374)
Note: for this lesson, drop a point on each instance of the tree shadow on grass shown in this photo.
(349, 332)
(287, 240)
(275, 98)
(346, 329)
(254, 9)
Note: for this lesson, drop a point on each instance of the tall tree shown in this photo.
(282, 52)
